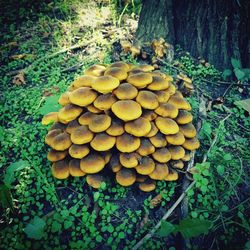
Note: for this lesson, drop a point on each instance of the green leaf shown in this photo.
(165, 229)
(226, 73)
(239, 74)
(51, 105)
(5, 197)
(35, 229)
(245, 104)
(227, 157)
(220, 169)
(121, 235)
(193, 227)
(98, 238)
(56, 226)
(68, 224)
(96, 196)
(235, 63)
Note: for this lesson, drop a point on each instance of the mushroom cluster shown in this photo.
(129, 119)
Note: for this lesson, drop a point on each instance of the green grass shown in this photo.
(44, 212)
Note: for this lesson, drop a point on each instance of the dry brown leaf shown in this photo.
(19, 79)
(17, 57)
(156, 200)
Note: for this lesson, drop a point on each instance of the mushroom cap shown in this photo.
(146, 147)
(184, 117)
(121, 65)
(51, 135)
(153, 131)
(49, 118)
(127, 143)
(60, 169)
(159, 83)
(140, 79)
(105, 84)
(91, 108)
(115, 164)
(83, 96)
(141, 178)
(72, 126)
(126, 177)
(176, 139)
(116, 128)
(83, 81)
(179, 102)
(162, 96)
(147, 186)
(166, 125)
(103, 142)
(57, 125)
(149, 115)
(85, 118)
(105, 101)
(107, 157)
(162, 155)
(117, 72)
(177, 164)
(172, 176)
(146, 166)
(92, 163)
(147, 99)
(188, 130)
(81, 135)
(167, 110)
(129, 160)
(139, 127)
(78, 151)
(61, 142)
(64, 99)
(191, 144)
(125, 91)
(127, 110)
(160, 172)
(74, 168)
(54, 155)
(187, 156)
(177, 152)
(95, 70)
(158, 73)
(144, 67)
(99, 123)
(178, 94)
(69, 113)
(171, 89)
(94, 180)
(158, 140)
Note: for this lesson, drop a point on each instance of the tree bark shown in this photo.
(211, 29)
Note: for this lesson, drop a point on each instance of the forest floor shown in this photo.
(44, 47)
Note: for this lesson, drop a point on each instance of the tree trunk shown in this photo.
(211, 29)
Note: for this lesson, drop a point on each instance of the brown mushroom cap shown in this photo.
(105, 101)
(125, 91)
(116, 128)
(159, 83)
(72, 126)
(115, 164)
(162, 96)
(107, 157)
(141, 178)
(117, 72)
(191, 144)
(127, 110)
(188, 130)
(176, 139)
(139, 127)
(140, 79)
(126, 177)
(51, 135)
(147, 186)
(69, 113)
(177, 164)
(64, 99)
(81, 135)
(184, 117)
(92, 163)
(83, 81)
(147, 99)
(78, 151)
(91, 108)
(74, 168)
(103, 142)
(166, 125)
(158, 140)
(146, 147)
(57, 125)
(129, 160)
(85, 118)
(99, 123)
(177, 152)
(171, 89)
(187, 156)
(172, 176)
(54, 155)
(60, 169)
(153, 131)
(144, 67)
(95, 180)
(61, 142)
(162, 155)
(121, 65)
(95, 70)
(179, 103)
(50, 118)
(83, 96)
(160, 172)
(167, 110)
(127, 143)
(105, 84)
(146, 166)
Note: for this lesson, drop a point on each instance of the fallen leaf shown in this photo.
(18, 57)
(156, 200)
(19, 79)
